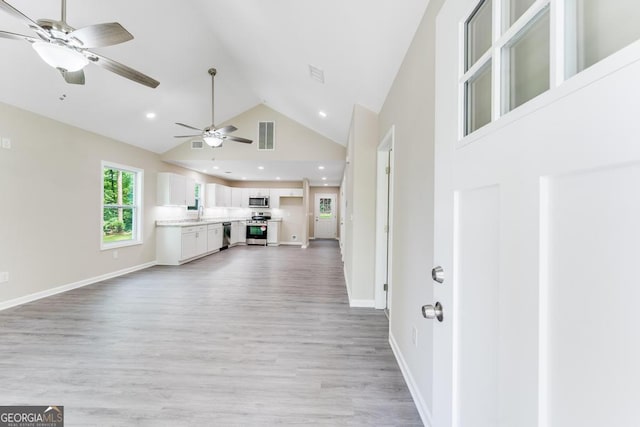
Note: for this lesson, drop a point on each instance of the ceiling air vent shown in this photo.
(197, 144)
(266, 135)
(316, 73)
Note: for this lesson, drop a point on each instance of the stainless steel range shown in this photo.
(257, 229)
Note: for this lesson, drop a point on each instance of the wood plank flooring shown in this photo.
(251, 336)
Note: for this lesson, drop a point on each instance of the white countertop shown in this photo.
(203, 221)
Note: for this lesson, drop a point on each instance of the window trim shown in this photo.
(137, 206)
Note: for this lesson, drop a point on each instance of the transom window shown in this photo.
(121, 211)
(508, 46)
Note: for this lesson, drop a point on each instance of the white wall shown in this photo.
(360, 197)
(50, 207)
(410, 107)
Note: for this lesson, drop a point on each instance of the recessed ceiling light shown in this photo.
(216, 167)
(321, 167)
(151, 116)
(324, 178)
(278, 178)
(322, 114)
(244, 178)
(326, 185)
(261, 167)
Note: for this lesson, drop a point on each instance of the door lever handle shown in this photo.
(433, 312)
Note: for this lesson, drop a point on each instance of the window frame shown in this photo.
(137, 207)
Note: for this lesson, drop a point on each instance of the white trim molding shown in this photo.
(362, 303)
(68, 287)
(421, 405)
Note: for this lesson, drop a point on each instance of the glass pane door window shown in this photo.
(478, 33)
(478, 100)
(326, 209)
(596, 29)
(527, 64)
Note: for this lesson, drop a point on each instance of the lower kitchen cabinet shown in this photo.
(238, 232)
(176, 245)
(273, 233)
(214, 237)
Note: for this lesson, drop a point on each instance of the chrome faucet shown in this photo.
(200, 212)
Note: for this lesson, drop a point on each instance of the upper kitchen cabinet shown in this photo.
(258, 192)
(172, 189)
(276, 193)
(239, 198)
(218, 196)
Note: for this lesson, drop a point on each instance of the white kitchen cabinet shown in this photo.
(218, 196)
(237, 197)
(258, 192)
(273, 233)
(190, 185)
(277, 193)
(290, 192)
(176, 245)
(171, 189)
(214, 237)
(242, 232)
(238, 232)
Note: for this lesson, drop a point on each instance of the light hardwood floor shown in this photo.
(251, 336)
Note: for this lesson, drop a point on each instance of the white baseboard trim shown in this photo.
(291, 243)
(362, 303)
(356, 303)
(64, 288)
(421, 405)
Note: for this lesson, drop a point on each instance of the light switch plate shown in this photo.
(4, 277)
(6, 143)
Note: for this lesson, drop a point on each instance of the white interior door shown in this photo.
(538, 235)
(325, 216)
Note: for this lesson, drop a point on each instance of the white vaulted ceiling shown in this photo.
(261, 48)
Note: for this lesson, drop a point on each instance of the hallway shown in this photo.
(250, 336)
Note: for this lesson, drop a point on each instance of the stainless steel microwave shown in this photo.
(259, 202)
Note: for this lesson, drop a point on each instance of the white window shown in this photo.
(266, 136)
(508, 49)
(121, 205)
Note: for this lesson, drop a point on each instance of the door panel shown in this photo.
(476, 297)
(325, 216)
(592, 336)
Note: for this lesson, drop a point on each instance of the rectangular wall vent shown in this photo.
(197, 144)
(266, 135)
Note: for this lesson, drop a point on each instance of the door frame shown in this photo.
(384, 216)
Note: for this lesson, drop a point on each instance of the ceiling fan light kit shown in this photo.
(212, 136)
(67, 49)
(60, 57)
(212, 141)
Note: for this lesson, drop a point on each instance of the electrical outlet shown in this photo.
(6, 143)
(414, 336)
(115, 254)
(4, 277)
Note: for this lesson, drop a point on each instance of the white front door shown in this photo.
(325, 217)
(538, 233)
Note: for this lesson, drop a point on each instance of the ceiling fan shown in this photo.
(211, 135)
(65, 48)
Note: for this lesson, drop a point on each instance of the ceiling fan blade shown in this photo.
(187, 136)
(14, 36)
(189, 127)
(238, 139)
(101, 35)
(73, 77)
(123, 70)
(226, 129)
(17, 14)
